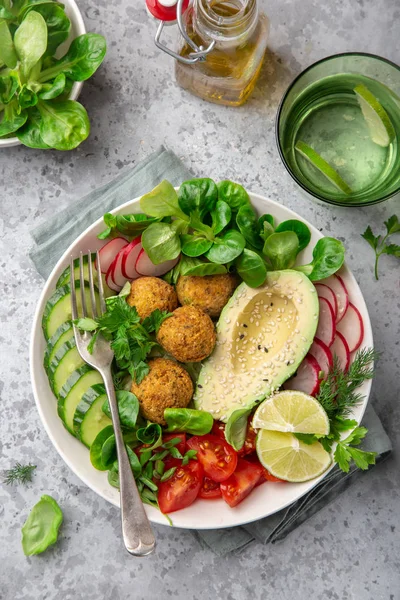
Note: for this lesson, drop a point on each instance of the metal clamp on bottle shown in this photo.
(169, 12)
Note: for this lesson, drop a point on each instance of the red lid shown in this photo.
(165, 10)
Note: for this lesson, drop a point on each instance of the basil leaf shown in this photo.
(162, 201)
(220, 216)
(246, 220)
(198, 196)
(85, 55)
(30, 41)
(207, 269)
(65, 124)
(49, 91)
(195, 422)
(282, 249)
(40, 530)
(97, 445)
(227, 247)
(299, 228)
(236, 428)
(150, 435)
(161, 242)
(128, 408)
(108, 452)
(8, 56)
(134, 462)
(233, 194)
(251, 268)
(29, 133)
(195, 245)
(328, 257)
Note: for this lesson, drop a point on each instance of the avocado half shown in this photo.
(263, 334)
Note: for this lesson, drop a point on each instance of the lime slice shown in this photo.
(292, 411)
(378, 121)
(323, 167)
(288, 458)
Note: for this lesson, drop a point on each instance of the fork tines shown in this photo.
(83, 284)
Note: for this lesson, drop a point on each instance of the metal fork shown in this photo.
(136, 530)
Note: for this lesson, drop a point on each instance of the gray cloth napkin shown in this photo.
(53, 237)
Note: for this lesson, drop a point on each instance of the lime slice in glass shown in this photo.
(323, 167)
(378, 121)
(288, 458)
(292, 411)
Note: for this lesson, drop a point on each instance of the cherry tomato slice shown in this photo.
(181, 446)
(250, 441)
(218, 458)
(210, 489)
(182, 489)
(239, 485)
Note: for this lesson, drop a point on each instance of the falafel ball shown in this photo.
(209, 293)
(189, 335)
(149, 293)
(167, 385)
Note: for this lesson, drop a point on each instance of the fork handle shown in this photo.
(138, 536)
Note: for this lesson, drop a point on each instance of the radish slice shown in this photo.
(322, 355)
(116, 270)
(108, 252)
(324, 291)
(326, 324)
(129, 258)
(145, 267)
(341, 349)
(110, 281)
(352, 327)
(307, 377)
(335, 282)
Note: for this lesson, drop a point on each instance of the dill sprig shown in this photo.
(337, 394)
(19, 474)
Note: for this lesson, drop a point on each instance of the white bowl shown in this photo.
(77, 28)
(203, 514)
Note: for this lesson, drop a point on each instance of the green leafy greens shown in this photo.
(131, 338)
(40, 530)
(378, 242)
(35, 86)
(213, 229)
(195, 422)
(338, 396)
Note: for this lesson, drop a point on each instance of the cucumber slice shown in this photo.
(64, 278)
(58, 308)
(65, 362)
(89, 418)
(71, 394)
(62, 335)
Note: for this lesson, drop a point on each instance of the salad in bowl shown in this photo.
(243, 355)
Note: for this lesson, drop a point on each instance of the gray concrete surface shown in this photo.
(350, 550)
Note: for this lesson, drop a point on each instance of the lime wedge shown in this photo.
(292, 411)
(323, 167)
(378, 121)
(288, 458)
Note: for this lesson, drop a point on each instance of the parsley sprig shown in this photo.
(131, 339)
(378, 242)
(19, 474)
(338, 395)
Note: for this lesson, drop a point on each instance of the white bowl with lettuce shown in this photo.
(35, 86)
(202, 514)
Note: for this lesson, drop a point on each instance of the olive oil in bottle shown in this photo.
(228, 73)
